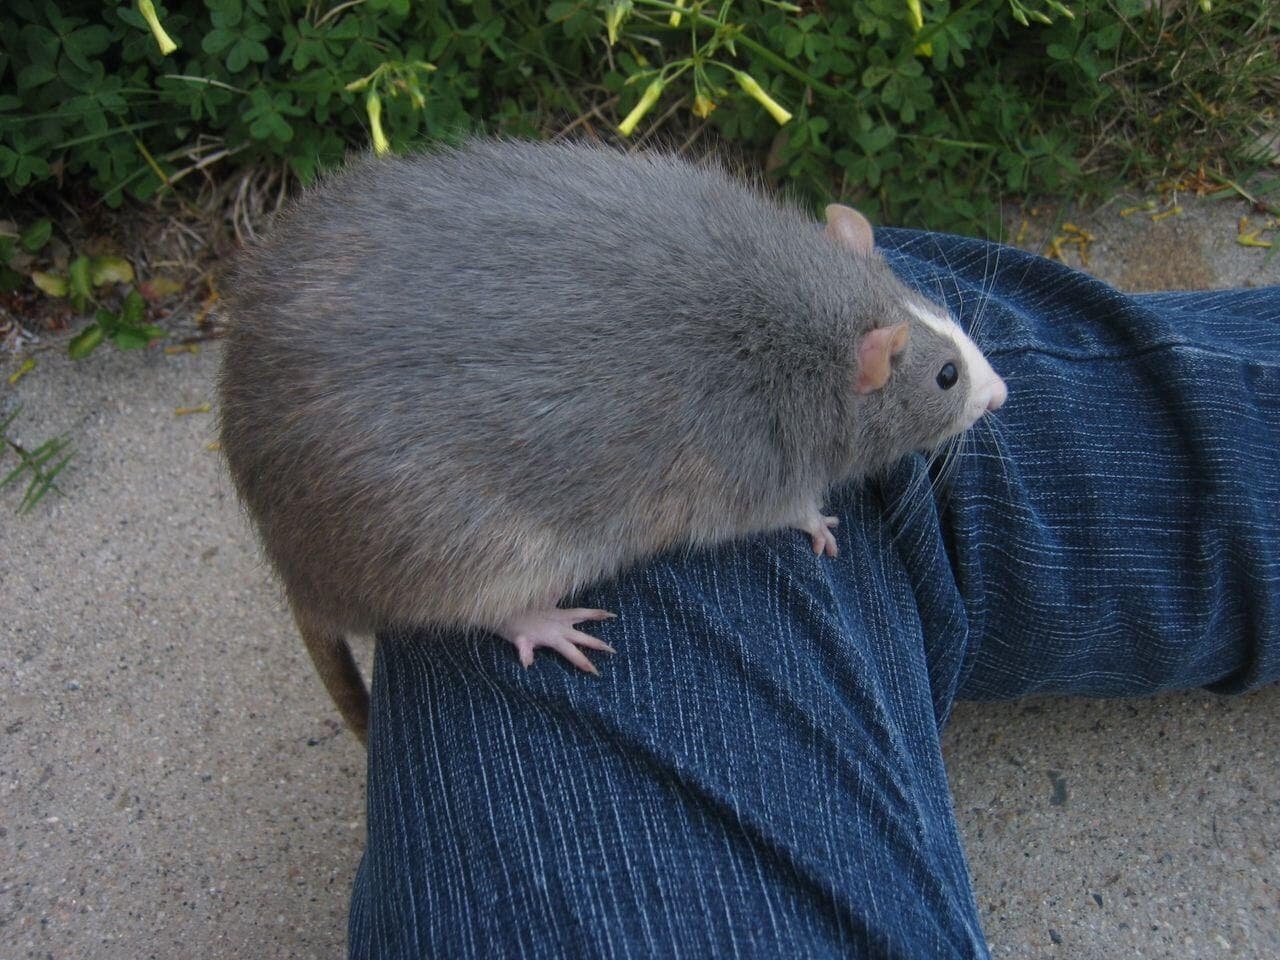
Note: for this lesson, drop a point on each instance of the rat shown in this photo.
(460, 386)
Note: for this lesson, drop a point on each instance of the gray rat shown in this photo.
(459, 387)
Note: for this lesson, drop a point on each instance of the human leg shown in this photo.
(1116, 530)
(757, 773)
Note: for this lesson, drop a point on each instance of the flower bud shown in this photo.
(916, 14)
(613, 19)
(163, 40)
(373, 107)
(647, 100)
(756, 92)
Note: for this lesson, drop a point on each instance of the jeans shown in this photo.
(757, 772)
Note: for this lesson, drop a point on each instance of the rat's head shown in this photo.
(921, 378)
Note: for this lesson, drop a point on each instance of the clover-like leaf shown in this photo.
(37, 235)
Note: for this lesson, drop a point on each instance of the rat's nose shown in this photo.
(999, 393)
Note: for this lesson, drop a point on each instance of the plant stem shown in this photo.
(764, 53)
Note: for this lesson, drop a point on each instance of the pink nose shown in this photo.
(999, 393)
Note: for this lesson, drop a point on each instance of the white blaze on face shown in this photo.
(987, 392)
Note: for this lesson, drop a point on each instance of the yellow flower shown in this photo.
(674, 19)
(373, 107)
(163, 40)
(647, 100)
(756, 92)
(702, 106)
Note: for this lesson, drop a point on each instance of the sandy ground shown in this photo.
(173, 782)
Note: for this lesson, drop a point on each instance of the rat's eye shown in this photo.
(948, 376)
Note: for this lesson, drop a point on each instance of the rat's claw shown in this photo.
(819, 529)
(583, 613)
(590, 642)
(553, 628)
(575, 656)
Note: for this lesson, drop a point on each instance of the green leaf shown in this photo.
(37, 235)
(1108, 37)
(872, 77)
(85, 342)
(33, 462)
(107, 320)
(561, 10)
(85, 43)
(877, 139)
(226, 13)
(244, 51)
(35, 75)
(51, 284)
(27, 168)
(40, 44)
(135, 338)
(264, 116)
(133, 308)
(105, 270)
(215, 41)
(42, 483)
(79, 283)
(13, 475)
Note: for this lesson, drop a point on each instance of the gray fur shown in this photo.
(462, 385)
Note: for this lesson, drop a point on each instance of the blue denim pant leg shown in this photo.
(758, 773)
(1116, 531)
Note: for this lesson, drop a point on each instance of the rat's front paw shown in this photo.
(819, 529)
(553, 628)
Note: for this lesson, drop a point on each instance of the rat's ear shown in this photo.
(874, 353)
(847, 227)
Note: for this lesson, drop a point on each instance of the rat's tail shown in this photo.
(332, 657)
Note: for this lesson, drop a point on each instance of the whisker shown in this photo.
(996, 442)
(898, 519)
(943, 485)
(986, 289)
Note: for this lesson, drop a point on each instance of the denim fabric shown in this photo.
(758, 772)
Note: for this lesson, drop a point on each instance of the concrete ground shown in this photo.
(173, 782)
